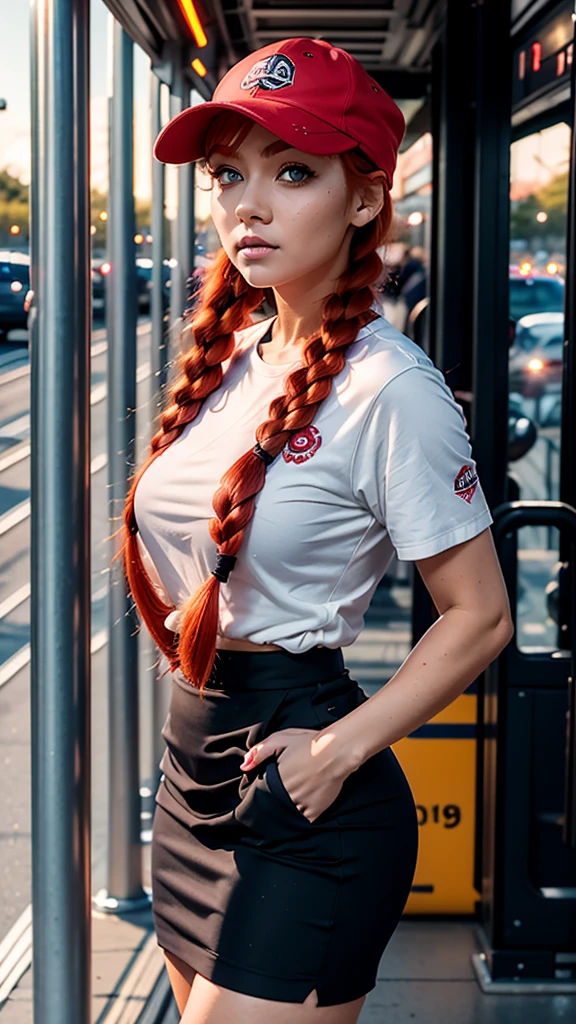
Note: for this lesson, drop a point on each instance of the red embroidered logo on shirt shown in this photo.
(302, 445)
(466, 483)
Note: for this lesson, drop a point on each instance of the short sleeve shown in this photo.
(413, 466)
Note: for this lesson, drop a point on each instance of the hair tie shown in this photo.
(224, 566)
(261, 452)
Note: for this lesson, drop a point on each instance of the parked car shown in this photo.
(144, 282)
(534, 293)
(101, 268)
(535, 359)
(14, 286)
(538, 329)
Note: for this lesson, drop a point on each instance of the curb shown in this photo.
(160, 1008)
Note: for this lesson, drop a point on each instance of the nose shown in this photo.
(253, 205)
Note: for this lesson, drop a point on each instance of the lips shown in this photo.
(254, 242)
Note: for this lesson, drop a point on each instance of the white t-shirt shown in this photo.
(386, 465)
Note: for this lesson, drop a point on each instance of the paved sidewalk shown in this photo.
(126, 964)
(426, 977)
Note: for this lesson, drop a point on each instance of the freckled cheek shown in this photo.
(322, 226)
(318, 215)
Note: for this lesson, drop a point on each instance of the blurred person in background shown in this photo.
(412, 279)
(403, 286)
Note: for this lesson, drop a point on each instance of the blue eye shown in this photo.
(300, 170)
(219, 175)
(298, 175)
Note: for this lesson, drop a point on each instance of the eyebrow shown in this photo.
(275, 147)
(278, 146)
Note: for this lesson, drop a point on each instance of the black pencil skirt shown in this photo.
(245, 888)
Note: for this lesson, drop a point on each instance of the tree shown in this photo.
(551, 199)
(13, 209)
(99, 205)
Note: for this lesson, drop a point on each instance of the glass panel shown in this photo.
(537, 577)
(538, 211)
(15, 850)
(538, 219)
(405, 294)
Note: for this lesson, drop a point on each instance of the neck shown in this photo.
(299, 303)
(295, 321)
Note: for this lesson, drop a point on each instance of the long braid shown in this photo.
(226, 301)
(343, 314)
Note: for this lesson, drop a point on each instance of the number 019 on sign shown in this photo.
(440, 763)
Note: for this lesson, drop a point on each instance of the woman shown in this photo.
(294, 456)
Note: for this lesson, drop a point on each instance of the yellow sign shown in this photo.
(440, 763)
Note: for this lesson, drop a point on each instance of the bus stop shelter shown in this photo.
(454, 68)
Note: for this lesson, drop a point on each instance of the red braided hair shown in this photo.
(226, 301)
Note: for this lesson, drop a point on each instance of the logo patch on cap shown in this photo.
(302, 445)
(275, 72)
(466, 483)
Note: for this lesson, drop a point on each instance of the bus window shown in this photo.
(538, 223)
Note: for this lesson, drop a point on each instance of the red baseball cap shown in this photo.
(308, 93)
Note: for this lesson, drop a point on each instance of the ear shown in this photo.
(368, 200)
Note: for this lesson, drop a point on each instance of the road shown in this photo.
(15, 871)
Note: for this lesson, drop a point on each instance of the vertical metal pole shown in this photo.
(491, 245)
(124, 853)
(151, 722)
(183, 233)
(159, 354)
(567, 490)
(186, 226)
(567, 486)
(451, 245)
(177, 284)
(60, 523)
(453, 198)
(490, 36)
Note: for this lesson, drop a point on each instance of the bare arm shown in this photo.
(466, 585)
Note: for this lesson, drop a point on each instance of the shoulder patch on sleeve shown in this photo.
(465, 483)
